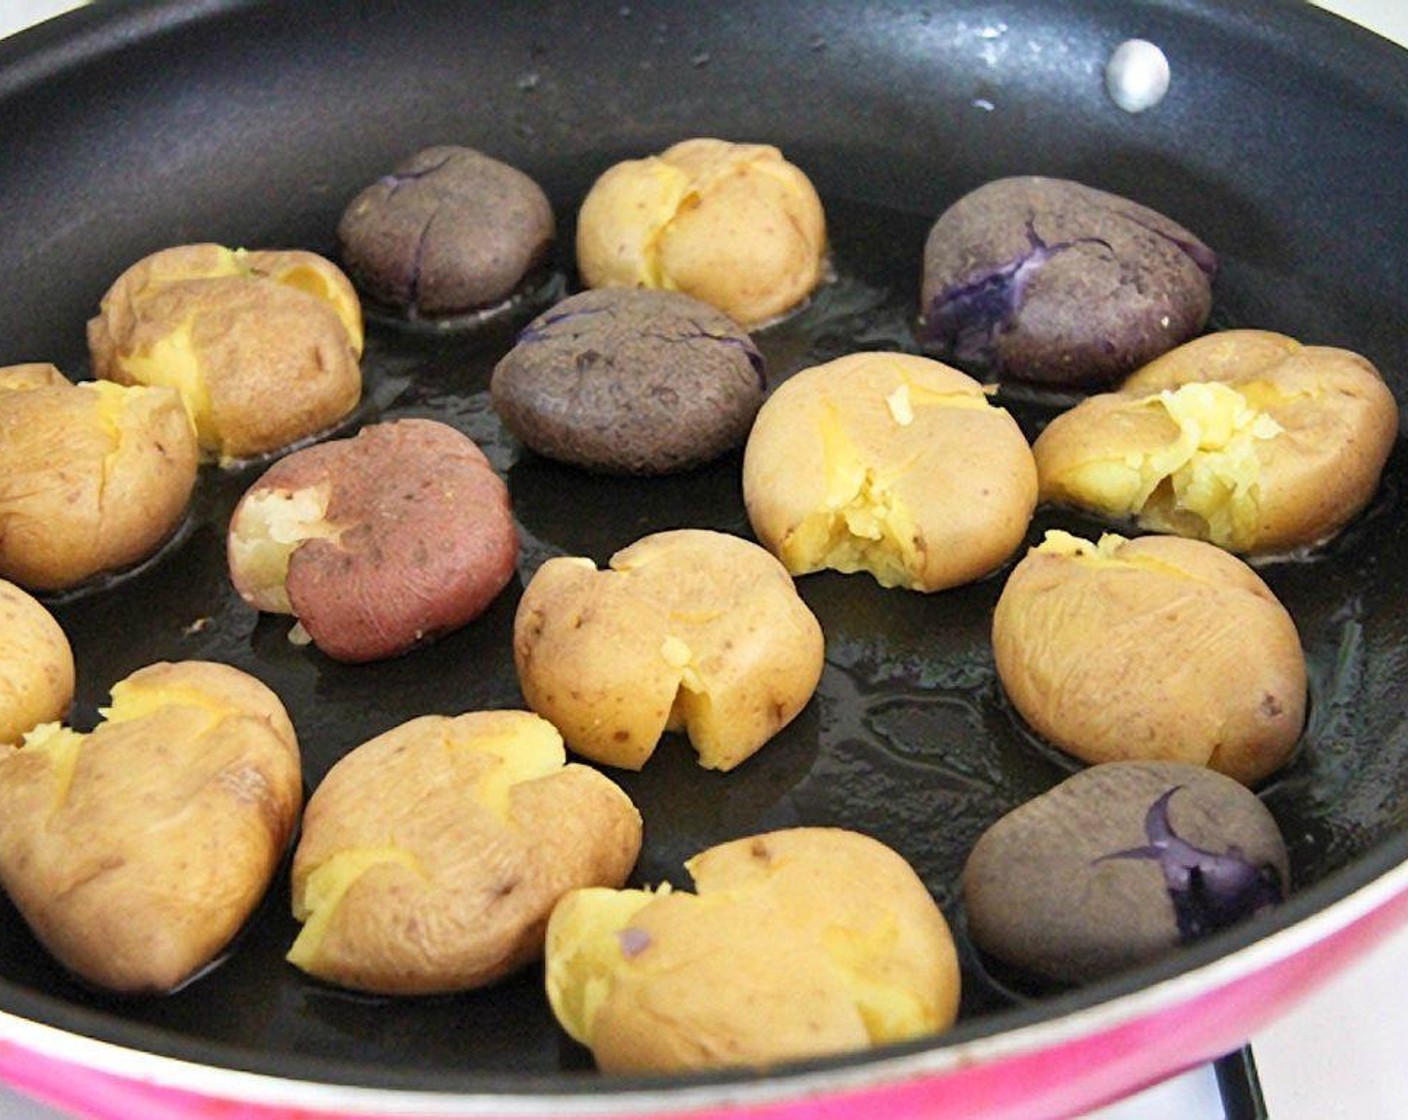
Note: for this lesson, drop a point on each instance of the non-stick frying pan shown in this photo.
(1283, 142)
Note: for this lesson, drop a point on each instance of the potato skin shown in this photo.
(735, 225)
(93, 477)
(36, 666)
(1333, 420)
(1157, 648)
(264, 345)
(687, 630)
(895, 457)
(136, 858)
(424, 538)
(464, 897)
(796, 944)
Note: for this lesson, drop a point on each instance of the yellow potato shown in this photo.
(263, 346)
(36, 666)
(688, 630)
(1243, 438)
(137, 851)
(93, 477)
(432, 855)
(889, 464)
(797, 944)
(734, 225)
(1158, 648)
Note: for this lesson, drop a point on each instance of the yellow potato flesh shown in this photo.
(268, 529)
(1212, 470)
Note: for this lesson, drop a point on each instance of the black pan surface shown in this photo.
(1283, 143)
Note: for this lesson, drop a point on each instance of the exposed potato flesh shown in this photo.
(888, 464)
(135, 852)
(734, 225)
(268, 529)
(689, 630)
(1246, 439)
(262, 346)
(36, 666)
(94, 477)
(795, 944)
(432, 855)
(1158, 648)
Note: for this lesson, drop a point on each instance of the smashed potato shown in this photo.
(432, 855)
(734, 225)
(136, 852)
(94, 477)
(1158, 648)
(688, 630)
(889, 464)
(796, 944)
(36, 666)
(376, 543)
(1247, 439)
(263, 346)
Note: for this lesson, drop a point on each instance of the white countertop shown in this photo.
(1342, 1053)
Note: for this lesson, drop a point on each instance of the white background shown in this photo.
(1342, 1053)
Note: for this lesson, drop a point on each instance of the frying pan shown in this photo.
(1283, 142)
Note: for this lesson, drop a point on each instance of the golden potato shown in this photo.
(734, 225)
(93, 477)
(263, 346)
(432, 855)
(36, 666)
(1243, 438)
(1158, 648)
(688, 630)
(796, 944)
(889, 464)
(137, 851)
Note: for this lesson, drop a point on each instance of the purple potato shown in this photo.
(1118, 865)
(449, 231)
(628, 381)
(1052, 282)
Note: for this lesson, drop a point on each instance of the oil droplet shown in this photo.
(1137, 75)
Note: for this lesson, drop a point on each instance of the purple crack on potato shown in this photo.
(965, 319)
(1210, 891)
(633, 942)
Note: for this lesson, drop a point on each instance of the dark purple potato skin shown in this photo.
(448, 231)
(627, 381)
(1059, 284)
(1119, 864)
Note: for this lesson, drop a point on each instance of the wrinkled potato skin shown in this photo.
(963, 470)
(277, 362)
(734, 225)
(36, 666)
(477, 905)
(746, 972)
(426, 538)
(589, 648)
(87, 487)
(139, 869)
(1178, 653)
(1339, 419)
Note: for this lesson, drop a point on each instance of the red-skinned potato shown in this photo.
(432, 855)
(262, 345)
(688, 630)
(137, 851)
(795, 944)
(378, 542)
(94, 477)
(36, 666)
(1157, 648)
(1244, 438)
